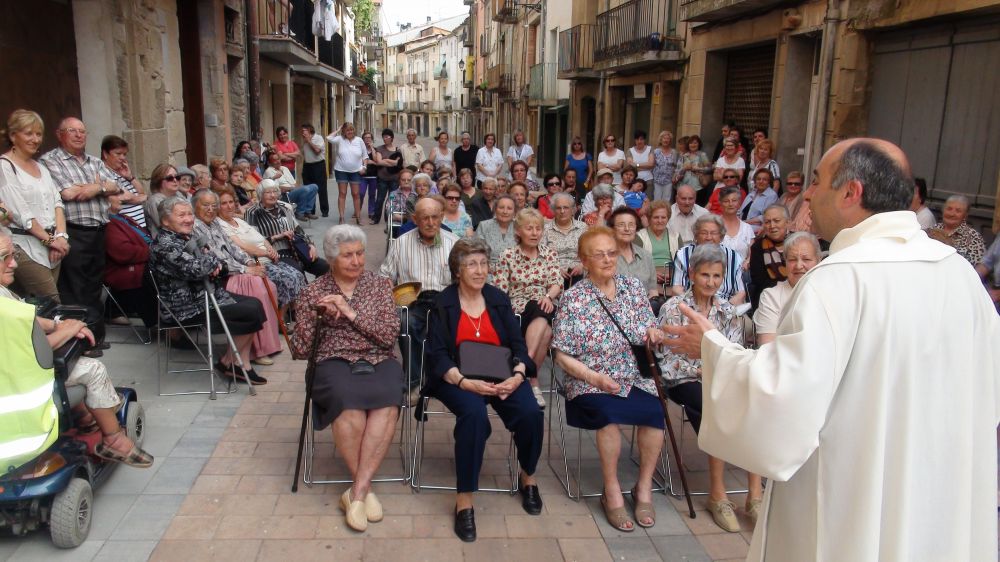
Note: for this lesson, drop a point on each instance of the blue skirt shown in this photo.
(594, 411)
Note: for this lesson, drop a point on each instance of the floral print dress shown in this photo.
(526, 279)
(583, 330)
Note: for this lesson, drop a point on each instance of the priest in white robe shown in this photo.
(874, 411)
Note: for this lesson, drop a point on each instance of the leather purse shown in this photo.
(483, 361)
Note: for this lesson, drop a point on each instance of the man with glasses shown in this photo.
(708, 230)
(85, 183)
(562, 235)
(421, 256)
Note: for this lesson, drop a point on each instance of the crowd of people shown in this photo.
(580, 267)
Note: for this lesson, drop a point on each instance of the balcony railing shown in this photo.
(331, 52)
(436, 105)
(394, 105)
(576, 50)
(505, 11)
(543, 82)
(273, 22)
(637, 26)
(413, 106)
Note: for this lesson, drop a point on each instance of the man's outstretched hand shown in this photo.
(686, 340)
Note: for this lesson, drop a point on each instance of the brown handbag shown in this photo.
(483, 361)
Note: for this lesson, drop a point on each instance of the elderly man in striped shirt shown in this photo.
(420, 255)
(708, 229)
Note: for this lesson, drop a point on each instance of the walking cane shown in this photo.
(277, 309)
(310, 377)
(210, 294)
(662, 393)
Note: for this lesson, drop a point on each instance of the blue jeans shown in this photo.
(304, 198)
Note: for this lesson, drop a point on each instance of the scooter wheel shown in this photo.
(135, 423)
(72, 511)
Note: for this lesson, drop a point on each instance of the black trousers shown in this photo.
(520, 414)
(688, 394)
(82, 274)
(383, 190)
(317, 268)
(315, 172)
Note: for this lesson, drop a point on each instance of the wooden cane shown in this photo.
(277, 309)
(662, 393)
(310, 377)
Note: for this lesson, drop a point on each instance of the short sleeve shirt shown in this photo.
(67, 171)
(526, 279)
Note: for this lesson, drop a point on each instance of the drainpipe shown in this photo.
(599, 118)
(253, 66)
(827, 51)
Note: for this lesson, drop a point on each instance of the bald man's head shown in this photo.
(427, 215)
(72, 135)
(882, 169)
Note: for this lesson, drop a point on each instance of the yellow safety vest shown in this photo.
(29, 421)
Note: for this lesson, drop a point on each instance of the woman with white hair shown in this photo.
(358, 385)
(706, 269)
(954, 231)
(275, 220)
(802, 253)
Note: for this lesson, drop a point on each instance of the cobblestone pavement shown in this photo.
(220, 487)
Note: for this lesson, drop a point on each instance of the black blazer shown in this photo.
(443, 328)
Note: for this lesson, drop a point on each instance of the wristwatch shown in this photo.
(62, 235)
(104, 190)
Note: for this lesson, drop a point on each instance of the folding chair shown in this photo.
(571, 477)
(169, 322)
(419, 442)
(390, 223)
(121, 311)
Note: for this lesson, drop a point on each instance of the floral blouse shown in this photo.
(583, 329)
(400, 202)
(372, 334)
(689, 178)
(678, 368)
(967, 241)
(461, 226)
(526, 279)
(665, 164)
(489, 231)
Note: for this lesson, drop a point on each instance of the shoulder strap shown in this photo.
(12, 167)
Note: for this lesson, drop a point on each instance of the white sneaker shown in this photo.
(537, 391)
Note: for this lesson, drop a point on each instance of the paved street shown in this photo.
(220, 487)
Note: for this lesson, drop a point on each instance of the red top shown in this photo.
(467, 329)
(287, 146)
(715, 206)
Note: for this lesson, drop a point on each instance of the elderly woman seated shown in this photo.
(102, 399)
(598, 320)
(954, 231)
(529, 274)
(470, 311)
(183, 270)
(164, 183)
(603, 196)
(633, 259)
(708, 229)
(275, 220)
(498, 232)
(802, 253)
(562, 236)
(706, 269)
(245, 276)
(767, 259)
(358, 385)
(288, 280)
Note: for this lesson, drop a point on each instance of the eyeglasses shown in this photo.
(73, 131)
(453, 198)
(609, 255)
(798, 183)
(625, 226)
(563, 208)
(171, 178)
(553, 184)
(484, 264)
(609, 140)
(730, 177)
(7, 258)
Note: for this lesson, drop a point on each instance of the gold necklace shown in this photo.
(476, 325)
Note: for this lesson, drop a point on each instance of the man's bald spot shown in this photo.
(427, 206)
(887, 148)
(70, 122)
(686, 187)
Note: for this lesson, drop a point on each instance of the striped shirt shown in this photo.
(134, 212)
(732, 283)
(67, 171)
(411, 260)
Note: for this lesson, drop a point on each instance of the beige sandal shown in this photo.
(643, 510)
(617, 517)
(354, 512)
(373, 508)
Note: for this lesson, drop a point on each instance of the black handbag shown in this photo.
(483, 361)
(301, 248)
(362, 367)
(643, 358)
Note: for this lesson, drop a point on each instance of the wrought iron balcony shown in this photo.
(717, 10)
(576, 52)
(635, 33)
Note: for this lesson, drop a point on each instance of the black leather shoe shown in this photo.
(465, 525)
(531, 500)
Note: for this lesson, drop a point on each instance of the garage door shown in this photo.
(934, 92)
(749, 81)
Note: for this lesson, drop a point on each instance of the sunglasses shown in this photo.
(453, 198)
(552, 183)
(171, 178)
(729, 177)
(798, 183)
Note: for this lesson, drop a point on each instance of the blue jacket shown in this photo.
(443, 328)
